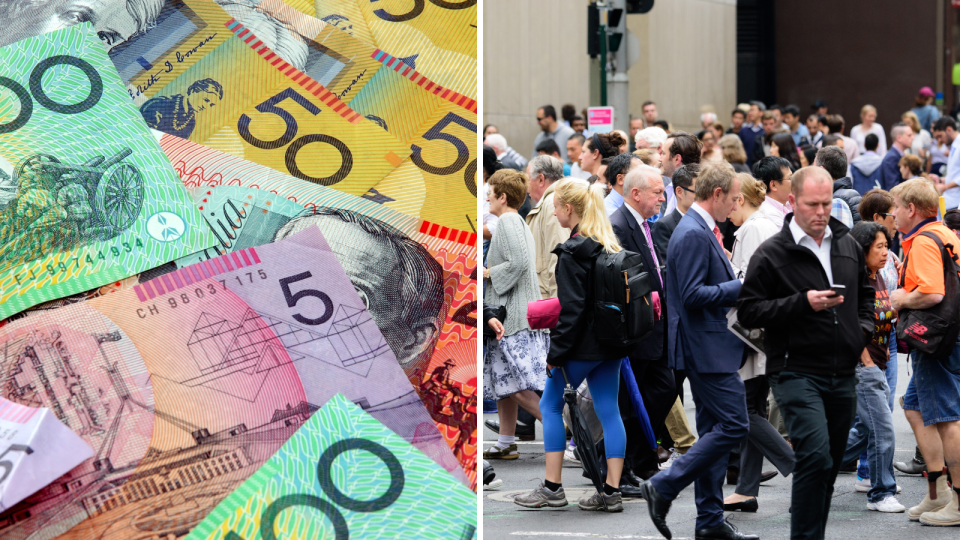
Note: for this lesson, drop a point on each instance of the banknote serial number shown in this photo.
(184, 297)
(51, 270)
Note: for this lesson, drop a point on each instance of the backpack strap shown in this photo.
(946, 250)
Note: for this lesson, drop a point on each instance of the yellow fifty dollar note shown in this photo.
(221, 86)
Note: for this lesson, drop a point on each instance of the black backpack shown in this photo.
(622, 296)
(934, 331)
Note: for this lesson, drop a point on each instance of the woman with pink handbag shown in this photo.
(574, 347)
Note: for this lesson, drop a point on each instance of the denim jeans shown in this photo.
(873, 431)
(891, 372)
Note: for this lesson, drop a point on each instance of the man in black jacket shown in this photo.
(833, 160)
(683, 189)
(643, 194)
(814, 338)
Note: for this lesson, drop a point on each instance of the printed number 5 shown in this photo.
(436, 133)
(292, 298)
(7, 465)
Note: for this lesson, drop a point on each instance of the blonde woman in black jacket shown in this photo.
(573, 346)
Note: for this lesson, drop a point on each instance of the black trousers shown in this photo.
(818, 411)
(658, 391)
(764, 441)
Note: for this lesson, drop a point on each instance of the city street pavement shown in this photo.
(849, 517)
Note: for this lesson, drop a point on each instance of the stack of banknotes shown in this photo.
(238, 284)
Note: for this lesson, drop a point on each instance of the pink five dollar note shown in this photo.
(186, 384)
(417, 278)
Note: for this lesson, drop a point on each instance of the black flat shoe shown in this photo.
(749, 505)
(658, 507)
(630, 492)
(523, 431)
(724, 531)
(769, 475)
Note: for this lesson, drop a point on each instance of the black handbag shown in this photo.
(492, 312)
(934, 331)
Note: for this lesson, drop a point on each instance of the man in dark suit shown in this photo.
(684, 180)
(643, 194)
(701, 286)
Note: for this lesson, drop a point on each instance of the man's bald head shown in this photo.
(808, 174)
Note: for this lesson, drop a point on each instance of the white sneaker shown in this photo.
(889, 505)
(669, 462)
(570, 459)
(863, 485)
(497, 482)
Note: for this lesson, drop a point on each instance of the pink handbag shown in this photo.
(543, 313)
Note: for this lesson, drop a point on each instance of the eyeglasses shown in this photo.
(688, 190)
(541, 118)
(885, 214)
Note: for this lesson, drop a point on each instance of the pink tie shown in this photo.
(653, 254)
(716, 232)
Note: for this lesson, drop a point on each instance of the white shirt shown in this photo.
(822, 251)
(640, 221)
(705, 215)
(860, 135)
(952, 196)
(577, 172)
(774, 212)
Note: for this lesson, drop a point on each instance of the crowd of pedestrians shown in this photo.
(788, 261)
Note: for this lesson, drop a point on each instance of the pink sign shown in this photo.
(600, 119)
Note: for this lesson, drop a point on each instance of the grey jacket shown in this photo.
(513, 276)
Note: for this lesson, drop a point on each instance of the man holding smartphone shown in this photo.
(808, 288)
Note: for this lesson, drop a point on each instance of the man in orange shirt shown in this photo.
(932, 401)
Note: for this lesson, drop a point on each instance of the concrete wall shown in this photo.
(535, 53)
(688, 60)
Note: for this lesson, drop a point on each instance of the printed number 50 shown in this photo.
(463, 153)
(292, 298)
(7, 465)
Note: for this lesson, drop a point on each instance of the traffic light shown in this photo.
(613, 21)
(639, 6)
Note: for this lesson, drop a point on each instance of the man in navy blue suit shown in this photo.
(701, 287)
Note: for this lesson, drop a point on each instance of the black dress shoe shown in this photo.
(523, 431)
(732, 476)
(628, 491)
(769, 475)
(749, 505)
(646, 475)
(630, 478)
(724, 531)
(849, 467)
(658, 507)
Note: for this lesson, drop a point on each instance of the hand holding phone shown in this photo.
(838, 290)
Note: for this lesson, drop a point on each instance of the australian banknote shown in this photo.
(436, 37)
(186, 384)
(418, 279)
(312, 488)
(440, 126)
(87, 196)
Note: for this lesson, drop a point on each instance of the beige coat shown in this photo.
(547, 233)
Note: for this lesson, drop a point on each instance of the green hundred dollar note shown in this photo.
(86, 195)
(344, 475)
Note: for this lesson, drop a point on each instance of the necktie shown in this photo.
(716, 232)
(653, 253)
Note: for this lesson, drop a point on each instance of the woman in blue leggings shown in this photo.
(574, 347)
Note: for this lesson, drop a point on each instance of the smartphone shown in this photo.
(838, 290)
